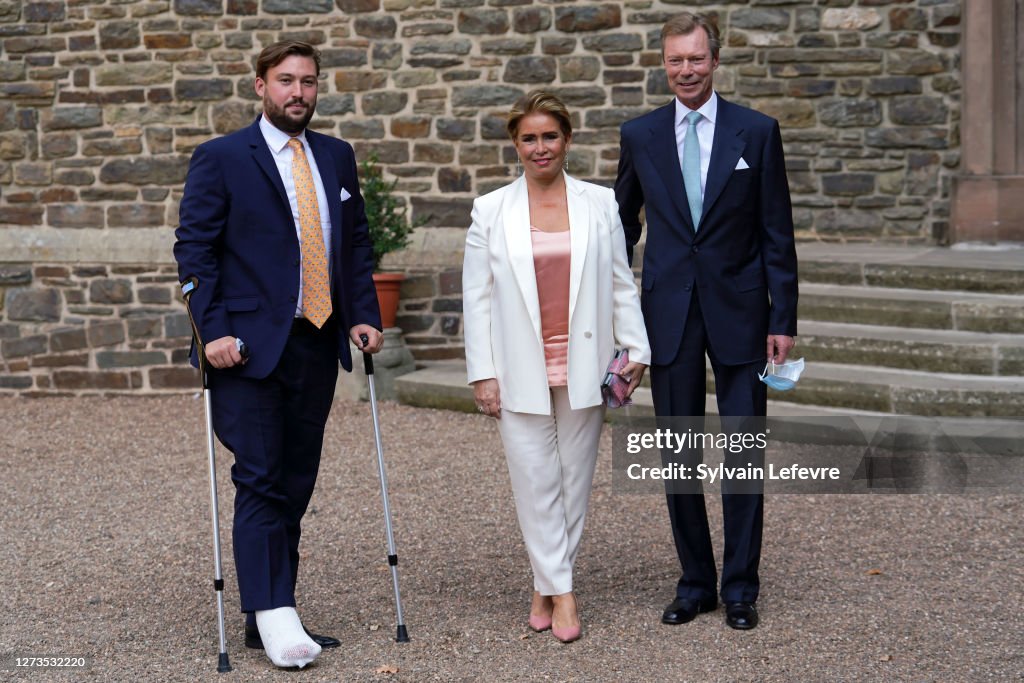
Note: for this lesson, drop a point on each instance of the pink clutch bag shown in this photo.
(615, 386)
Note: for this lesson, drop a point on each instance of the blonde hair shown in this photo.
(538, 101)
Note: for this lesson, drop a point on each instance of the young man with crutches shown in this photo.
(273, 229)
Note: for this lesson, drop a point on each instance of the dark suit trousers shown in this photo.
(275, 427)
(679, 390)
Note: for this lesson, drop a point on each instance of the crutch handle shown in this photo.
(367, 357)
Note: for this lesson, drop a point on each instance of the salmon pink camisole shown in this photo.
(551, 255)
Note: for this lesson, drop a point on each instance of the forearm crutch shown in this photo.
(403, 635)
(188, 287)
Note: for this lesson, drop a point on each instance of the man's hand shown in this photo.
(223, 353)
(635, 372)
(779, 346)
(375, 340)
(487, 397)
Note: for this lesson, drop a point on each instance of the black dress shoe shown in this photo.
(741, 615)
(683, 610)
(253, 640)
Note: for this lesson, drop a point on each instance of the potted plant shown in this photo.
(390, 230)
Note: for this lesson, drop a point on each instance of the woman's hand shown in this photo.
(487, 397)
(634, 372)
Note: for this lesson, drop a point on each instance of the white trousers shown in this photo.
(551, 460)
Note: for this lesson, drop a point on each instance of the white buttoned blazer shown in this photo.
(501, 310)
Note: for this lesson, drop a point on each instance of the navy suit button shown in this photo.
(688, 287)
(694, 249)
(296, 263)
(292, 298)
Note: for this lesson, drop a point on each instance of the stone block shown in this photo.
(383, 103)
(358, 6)
(298, 6)
(154, 295)
(177, 325)
(574, 19)
(119, 35)
(530, 69)
(918, 111)
(71, 118)
(483, 22)
(140, 73)
(135, 215)
(84, 380)
(162, 170)
(387, 151)
(613, 43)
(354, 81)
(454, 180)
(15, 382)
(61, 360)
(447, 212)
(581, 96)
(12, 274)
(361, 129)
(925, 138)
(915, 62)
(850, 19)
(75, 216)
(227, 117)
(376, 27)
(106, 360)
(199, 7)
(761, 19)
(410, 126)
(848, 184)
(43, 12)
(200, 89)
(32, 305)
(105, 334)
(21, 215)
(110, 291)
(477, 96)
(894, 85)
(849, 112)
(334, 105)
(456, 129)
(68, 340)
(181, 378)
(22, 347)
(450, 282)
(531, 19)
(433, 153)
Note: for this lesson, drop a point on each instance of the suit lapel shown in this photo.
(664, 152)
(325, 166)
(263, 158)
(579, 236)
(726, 150)
(515, 219)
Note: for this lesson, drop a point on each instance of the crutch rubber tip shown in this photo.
(403, 635)
(223, 665)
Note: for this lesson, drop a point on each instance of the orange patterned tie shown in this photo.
(316, 284)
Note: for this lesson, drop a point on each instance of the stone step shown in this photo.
(996, 271)
(940, 310)
(824, 386)
(948, 351)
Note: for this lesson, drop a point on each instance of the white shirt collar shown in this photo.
(708, 110)
(276, 138)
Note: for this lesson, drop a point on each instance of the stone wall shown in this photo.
(101, 104)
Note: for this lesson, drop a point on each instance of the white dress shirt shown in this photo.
(277, 141)
(705, 134)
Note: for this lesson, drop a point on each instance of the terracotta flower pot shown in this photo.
(388, 286)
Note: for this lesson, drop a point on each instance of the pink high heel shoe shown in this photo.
(568, 634)
(539, 623)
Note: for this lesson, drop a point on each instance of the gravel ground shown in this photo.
(108, 555)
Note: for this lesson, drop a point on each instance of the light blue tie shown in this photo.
(691, 168)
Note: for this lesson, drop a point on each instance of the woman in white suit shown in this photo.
(548, 296)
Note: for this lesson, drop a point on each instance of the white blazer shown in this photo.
(501, 310)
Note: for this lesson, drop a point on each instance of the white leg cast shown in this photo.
(284, 639)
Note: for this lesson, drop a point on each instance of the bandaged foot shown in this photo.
(284, 639)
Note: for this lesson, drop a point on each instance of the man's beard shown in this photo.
(284, 121)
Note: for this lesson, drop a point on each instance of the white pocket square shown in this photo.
(741, 164)
(344, 194)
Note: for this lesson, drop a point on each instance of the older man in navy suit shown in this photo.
(272, 224)
(719, 278)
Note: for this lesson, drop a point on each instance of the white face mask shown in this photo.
(782, 377)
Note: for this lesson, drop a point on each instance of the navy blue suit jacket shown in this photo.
(237, 236)
(742, 259)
